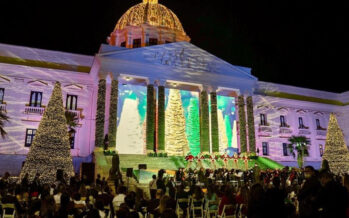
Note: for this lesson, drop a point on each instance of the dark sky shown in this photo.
(302, 43)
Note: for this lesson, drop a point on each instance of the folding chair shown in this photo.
(8, 210)
(182, 204)
(197, 205)
(226, 213)
(209, 210)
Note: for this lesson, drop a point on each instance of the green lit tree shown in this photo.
(50, 150)
(298, 145)
(193, 130)
(336, 152)
(3, 119)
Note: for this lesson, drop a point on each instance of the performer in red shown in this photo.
(236, 160)
(246, 159)
(225, 158)
(189, 158)
(199, 158)
(213, 161)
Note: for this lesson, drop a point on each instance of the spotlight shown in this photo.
(174, 84)
(127, 78)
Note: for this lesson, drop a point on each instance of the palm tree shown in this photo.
(72, 120)
(299, 145)
(3, 119)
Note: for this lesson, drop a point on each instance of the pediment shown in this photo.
(180, 57)
(301, 111)
(37, 83)
(74, 87)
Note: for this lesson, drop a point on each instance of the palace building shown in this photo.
(151, 90)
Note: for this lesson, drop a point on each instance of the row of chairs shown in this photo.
(187, 206)
(196, 208)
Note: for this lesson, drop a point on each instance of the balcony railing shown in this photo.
(34, 110)
(285, 130)
(265, 129)
(2, 107)
(321, 132)
(304, 132)
(77, 113)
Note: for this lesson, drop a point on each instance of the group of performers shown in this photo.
(213, 159)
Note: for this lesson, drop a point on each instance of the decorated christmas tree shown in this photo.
(176, 139)
(50, 150)
(336, 151)
(193, 130)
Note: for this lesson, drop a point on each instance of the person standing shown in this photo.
(153, 187)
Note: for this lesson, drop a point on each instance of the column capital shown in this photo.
(208, 88)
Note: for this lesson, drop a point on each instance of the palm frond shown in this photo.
(3, 119)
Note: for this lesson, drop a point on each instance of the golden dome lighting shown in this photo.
(151, 17)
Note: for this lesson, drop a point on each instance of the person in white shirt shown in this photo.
(119, 198)
(153, 187)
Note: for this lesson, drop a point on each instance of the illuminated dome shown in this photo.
(146, 24)
(150, 12)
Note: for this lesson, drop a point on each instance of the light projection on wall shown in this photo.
(132, 104)
(226, 123)
(182, 125)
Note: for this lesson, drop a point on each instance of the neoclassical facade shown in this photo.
(151, 90)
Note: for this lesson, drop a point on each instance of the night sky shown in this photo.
(301, 43)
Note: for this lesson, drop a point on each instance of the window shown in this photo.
(282, 121)
(300, 121)
(35, 99)
(72, 138)
(72, 102)
(2, 92)
(123, 44)
(153, 41)
(265, 148)
(285, 149)
(29, 137)
(263, 120)
(318, 126)
(321, 149)
(137, 43)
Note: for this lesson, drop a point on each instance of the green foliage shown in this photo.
(113, 113)
(109, 153)
(50, 149)
(100, 113)
(72, 120)
(242, 123)
(3, 119)
(299, 145)
(193, 128)
(150, 117)
(250, 122)
(159, 154)
(161, 118)
(214, 123)
(204, 123)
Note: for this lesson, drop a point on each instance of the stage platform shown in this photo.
(170, 164)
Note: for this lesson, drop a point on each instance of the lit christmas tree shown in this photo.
(193, 130)
(223, 139)
(176, 139)
(50, 150)
(336, 151)
(129, 138)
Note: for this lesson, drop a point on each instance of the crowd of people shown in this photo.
(254, 194)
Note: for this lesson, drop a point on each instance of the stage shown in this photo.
(170, 164)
